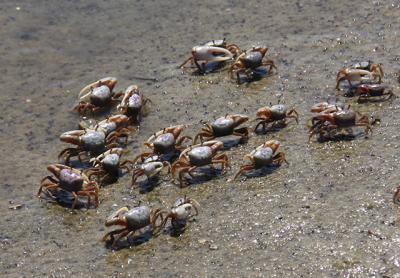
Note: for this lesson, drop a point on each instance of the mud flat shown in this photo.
(328, 213)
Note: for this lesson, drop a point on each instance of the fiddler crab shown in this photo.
(197, 156)
(363, 71)
(276, 114)
(94, 142)
(132, 103)
(114, 127)
(224, 126)
(326, 108)
(151, 167)
(97, 95)
(264, 155)
(165, 142)
(249, 61)
(370, 91)
(70, 180)
(107, 166)
(212, 51)
(132, 220)
(182, 210)
(325, 122)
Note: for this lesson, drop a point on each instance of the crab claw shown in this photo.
(117, 217)
(239, 119)
(211, 53)
(132, 89)
(72, 136)
(55, 169)
(119, 119)
(107, 81)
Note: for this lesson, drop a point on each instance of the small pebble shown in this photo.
(213, 247)
(202, 241)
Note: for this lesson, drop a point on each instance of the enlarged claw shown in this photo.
(72, 136)
(211, 53)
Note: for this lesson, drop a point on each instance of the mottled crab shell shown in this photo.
(252, 60)
(222, 126)
(111, 162)
(364, 65)
(108, 127)
(100, 96)
(200, 156)
(138, 217)
(93, 141)
(345, 118)
(135, 102)
(70, 180)
(183, 212)
(262, 157)
(374, 90)
(164, 143)
(278, 112)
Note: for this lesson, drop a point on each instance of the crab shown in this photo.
(114, 127)
(224, 126)
(165, 142)
(360, 73)
(368, 91)
(276, 114)
(151, 167)
(132, 220)
(249, 61)
(93, 142)
(264, 155)
(326, 108)
(325, 122)
(70, 180)
(197, 156)
(132, 103)
(183, 210)
(97, 95)
(208, 53)
(107, 166)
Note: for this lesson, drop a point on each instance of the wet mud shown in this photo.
(328, 213)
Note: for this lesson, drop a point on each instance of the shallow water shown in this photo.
(309, 218)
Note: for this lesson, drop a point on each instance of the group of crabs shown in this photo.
(365, 82)
(101, 144)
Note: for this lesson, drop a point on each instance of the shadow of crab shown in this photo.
(341, 136)
(148, 185)
(261, 172)
(270, 128)
(201, 175)
(131, 241)
(255, 75)
(211, 67)
(65, 199)
(80, 165)
(178, 228)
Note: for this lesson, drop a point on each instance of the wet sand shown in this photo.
(328, 213)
